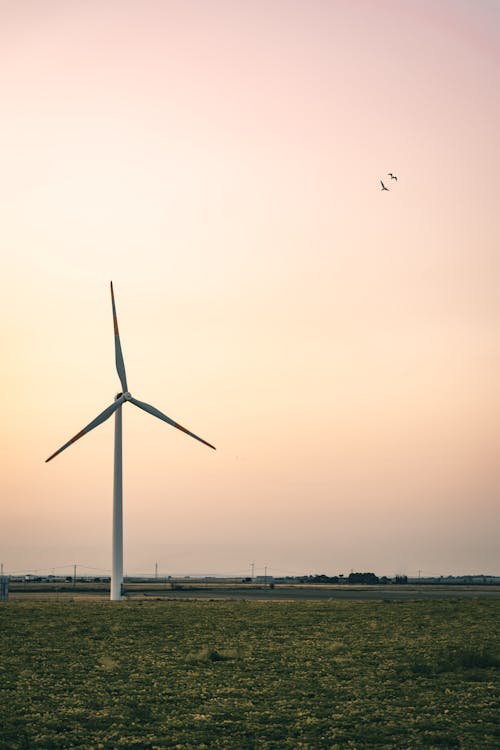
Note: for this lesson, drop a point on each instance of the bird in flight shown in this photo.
(383, 186)
(392, 176)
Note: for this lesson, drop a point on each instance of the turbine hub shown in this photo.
(127, 396)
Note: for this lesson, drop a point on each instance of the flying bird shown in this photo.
(383, 186)
(392, 176)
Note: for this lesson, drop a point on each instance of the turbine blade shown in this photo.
(156, 413)
(120, 366)
(103, 416)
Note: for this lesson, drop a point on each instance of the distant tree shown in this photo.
(321, 578)
(401, 579)
(365, 578)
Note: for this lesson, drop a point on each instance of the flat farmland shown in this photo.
(310, 592)
(243, 674)
(282, 592)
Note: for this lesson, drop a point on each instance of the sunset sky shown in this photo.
(220, 161)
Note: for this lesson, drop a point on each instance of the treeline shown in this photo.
(354, 578)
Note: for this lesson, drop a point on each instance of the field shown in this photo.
(190, 589)
(250, 674)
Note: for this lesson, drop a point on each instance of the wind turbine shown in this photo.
(116, 409)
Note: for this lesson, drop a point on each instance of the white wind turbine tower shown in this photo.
(117, 566)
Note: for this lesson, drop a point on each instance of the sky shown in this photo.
(221, 161)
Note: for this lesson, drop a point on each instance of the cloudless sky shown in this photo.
(220, 162)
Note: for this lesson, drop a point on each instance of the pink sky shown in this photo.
(220, 161)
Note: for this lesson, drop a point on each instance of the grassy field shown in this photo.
(249, 674)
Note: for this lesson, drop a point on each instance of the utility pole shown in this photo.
(265, 575)
(156, 570)
(252, 566)
(74, 575)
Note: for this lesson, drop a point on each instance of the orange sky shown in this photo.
(220, 161)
